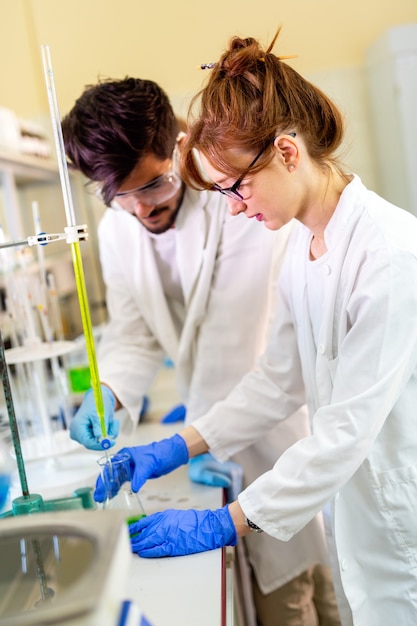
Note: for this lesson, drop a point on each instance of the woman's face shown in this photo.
(270, 195)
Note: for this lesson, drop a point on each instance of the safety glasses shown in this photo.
(157, 191)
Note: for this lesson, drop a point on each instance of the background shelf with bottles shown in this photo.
(26, 179)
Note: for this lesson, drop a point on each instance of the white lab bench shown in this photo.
(194, 590)
(187, 590)
(178, 591)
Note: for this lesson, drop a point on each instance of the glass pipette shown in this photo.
(73, 240)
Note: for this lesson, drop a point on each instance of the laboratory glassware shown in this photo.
(116, 474)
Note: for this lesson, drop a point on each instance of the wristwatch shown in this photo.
(254, 528)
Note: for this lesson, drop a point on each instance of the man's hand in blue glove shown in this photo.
(205, 469)
(176, 414)
(176, 533)
(150, 461)
(85, 426)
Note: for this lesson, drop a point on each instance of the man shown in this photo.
(175, 265)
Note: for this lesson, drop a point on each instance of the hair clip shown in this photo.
(207, 66)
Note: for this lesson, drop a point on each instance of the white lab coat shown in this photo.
(361, 387)
(225, 266)
(224, 327)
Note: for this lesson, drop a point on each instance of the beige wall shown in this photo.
(166, 41)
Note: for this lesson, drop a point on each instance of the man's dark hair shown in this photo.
(113, 125)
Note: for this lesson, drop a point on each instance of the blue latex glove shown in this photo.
(85, 425)
(176, 533)
(206, 470)
(150, 461)
(176, 414)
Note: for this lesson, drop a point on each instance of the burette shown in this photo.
(73, 238)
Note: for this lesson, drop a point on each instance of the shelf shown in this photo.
(28, 169)
(25, 179)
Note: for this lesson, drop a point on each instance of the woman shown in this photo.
(345, 342)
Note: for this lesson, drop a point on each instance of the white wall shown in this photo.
(166, 41)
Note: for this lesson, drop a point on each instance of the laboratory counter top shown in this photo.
(177, 591)
(171, 591)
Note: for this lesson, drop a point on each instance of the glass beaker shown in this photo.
(116, 476)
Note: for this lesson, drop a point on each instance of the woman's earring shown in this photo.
(291, 168)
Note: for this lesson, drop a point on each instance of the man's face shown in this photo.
(152, 193)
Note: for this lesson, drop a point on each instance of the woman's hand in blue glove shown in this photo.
(176, 533)
(85, 426)
(206, 470)
(150, 461)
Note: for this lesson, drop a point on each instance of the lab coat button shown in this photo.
(336, 496)
(343, 564)
(322, 348)
(327, 269)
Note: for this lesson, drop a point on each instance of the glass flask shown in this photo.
(116, 475)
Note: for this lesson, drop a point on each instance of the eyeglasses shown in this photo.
(157, 191)
(232, 192)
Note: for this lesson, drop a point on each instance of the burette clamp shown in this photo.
(76, 233)
(71, 235)
(41, 239)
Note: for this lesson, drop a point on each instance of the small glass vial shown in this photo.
(116, 475)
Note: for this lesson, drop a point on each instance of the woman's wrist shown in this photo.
(239, 519)
(194, 441)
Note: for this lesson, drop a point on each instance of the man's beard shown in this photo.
(158, 230)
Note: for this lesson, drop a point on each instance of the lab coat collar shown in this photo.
(350, 201)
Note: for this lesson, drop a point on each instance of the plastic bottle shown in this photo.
(6, 468)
